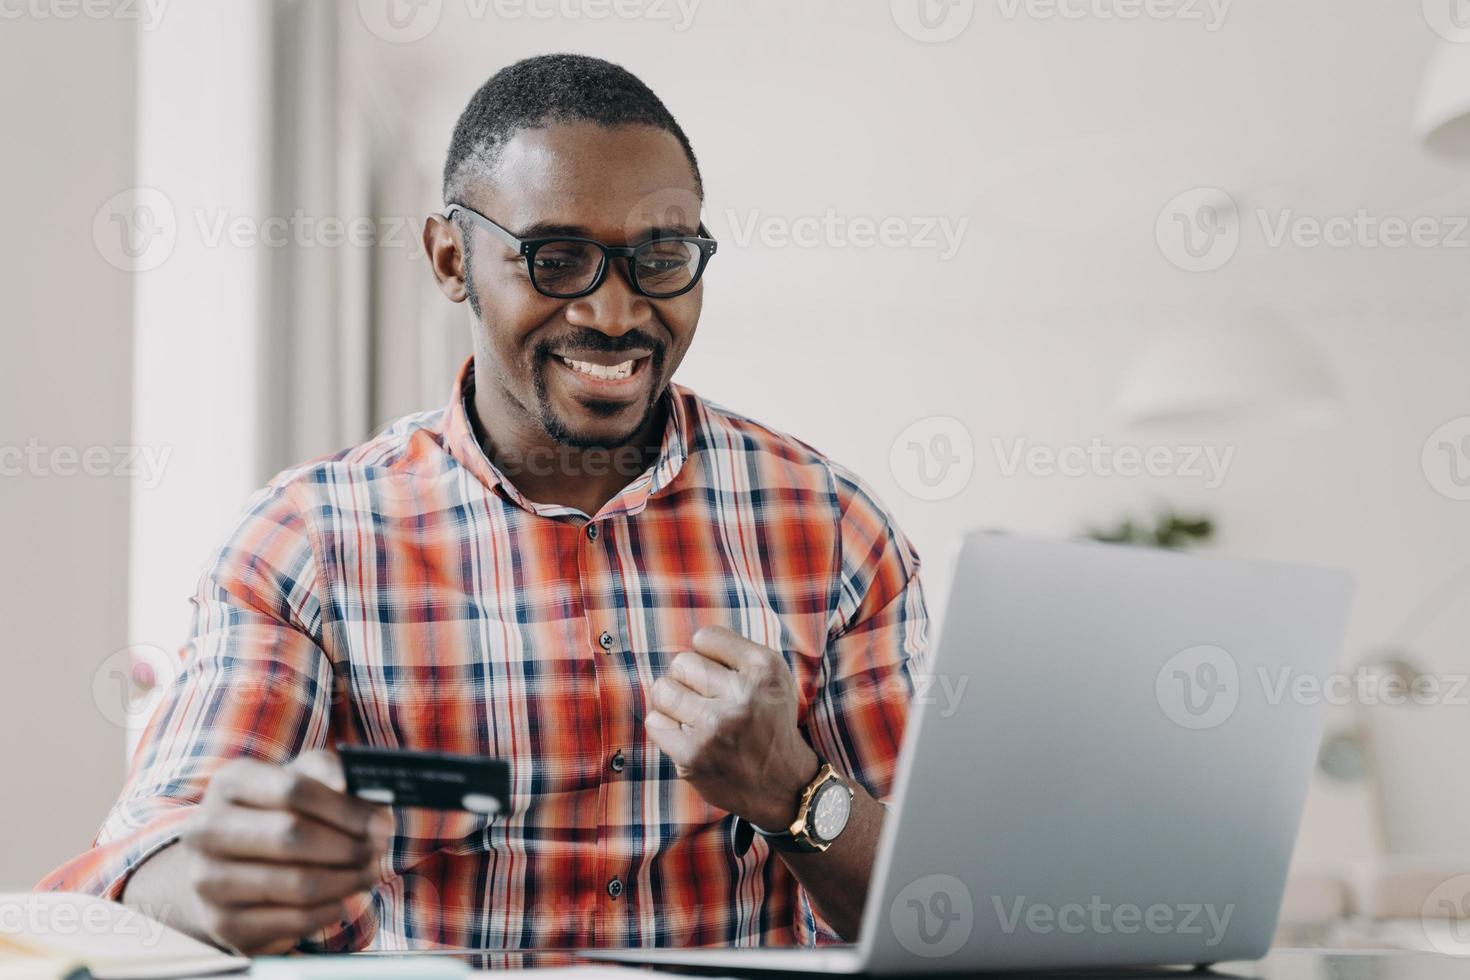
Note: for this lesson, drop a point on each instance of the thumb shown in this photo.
(670, 737)
(323, 765)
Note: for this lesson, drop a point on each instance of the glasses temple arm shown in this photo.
(484, 222)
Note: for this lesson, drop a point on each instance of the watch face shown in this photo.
(830, 811)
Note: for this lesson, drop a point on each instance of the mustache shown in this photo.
(595, 340)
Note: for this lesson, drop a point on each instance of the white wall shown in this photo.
(65, 350)
(1060, 141)
(201, 300)
(131, 322)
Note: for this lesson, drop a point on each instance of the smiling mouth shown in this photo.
(603, 372)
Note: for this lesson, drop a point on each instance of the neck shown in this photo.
(549, 472)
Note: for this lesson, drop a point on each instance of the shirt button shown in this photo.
(618, 762)
(615, 888)
(605, 640)
(591, 532)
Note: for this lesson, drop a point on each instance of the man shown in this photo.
(673, 623)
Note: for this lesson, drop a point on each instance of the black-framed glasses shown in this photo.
(566, 267)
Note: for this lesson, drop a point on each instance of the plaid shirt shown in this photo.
(403, 593)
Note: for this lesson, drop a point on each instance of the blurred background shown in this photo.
(1190, 271)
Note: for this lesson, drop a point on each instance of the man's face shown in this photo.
(616, 185)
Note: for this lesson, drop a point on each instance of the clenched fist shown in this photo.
(726, 713)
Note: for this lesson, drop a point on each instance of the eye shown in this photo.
(560, 264)
(667, 262)
(552, 259)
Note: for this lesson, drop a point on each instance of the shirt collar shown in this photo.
(465, 447)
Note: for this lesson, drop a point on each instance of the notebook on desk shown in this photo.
(69, 931)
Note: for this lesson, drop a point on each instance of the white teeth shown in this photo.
(613, 372)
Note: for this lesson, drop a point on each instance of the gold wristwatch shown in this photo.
(826, 804)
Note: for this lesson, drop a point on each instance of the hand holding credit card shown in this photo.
(437, 780)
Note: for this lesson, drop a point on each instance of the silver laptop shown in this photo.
(1107, 770)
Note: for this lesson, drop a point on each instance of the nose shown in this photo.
(613, 308)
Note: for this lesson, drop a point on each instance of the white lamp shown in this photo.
(1227, 371)
(1442, 118)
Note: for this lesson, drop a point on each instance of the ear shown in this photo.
(446, 256)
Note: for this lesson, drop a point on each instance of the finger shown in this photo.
(273, 928)
(323, 765)
(240, 883)
(341, 810)
(680, 703)
(249, 834)
(725, 646)
(670, 737)
(703, 675)
(268, 787)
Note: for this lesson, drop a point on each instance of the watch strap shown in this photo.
(785, 839)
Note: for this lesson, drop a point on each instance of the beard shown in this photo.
(558, 428)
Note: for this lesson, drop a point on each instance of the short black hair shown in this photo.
(545, 89)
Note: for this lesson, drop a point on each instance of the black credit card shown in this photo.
(436, 780)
